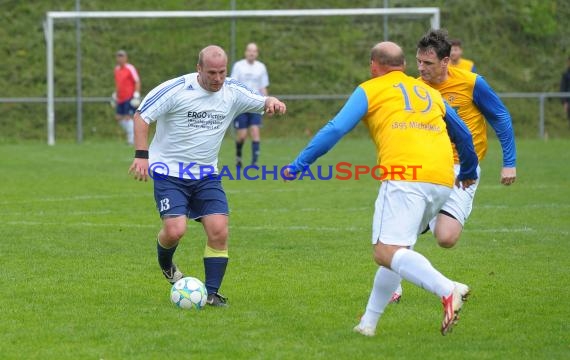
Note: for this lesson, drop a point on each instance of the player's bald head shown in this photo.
(212, 68)
(251, 52)
(251, 46)
(388, 54)
(212, 54)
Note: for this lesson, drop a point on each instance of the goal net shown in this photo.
(314, 57)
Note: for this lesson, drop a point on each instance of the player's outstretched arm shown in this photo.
(500, 120)
(139, 167)
(346, 119)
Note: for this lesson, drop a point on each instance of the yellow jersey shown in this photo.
(405, 121)
(411, 126)
(458, 91)
(464, 64)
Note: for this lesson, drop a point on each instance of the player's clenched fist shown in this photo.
(508, 175)
(274, 106)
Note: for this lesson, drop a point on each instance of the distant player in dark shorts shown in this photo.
(253, 74)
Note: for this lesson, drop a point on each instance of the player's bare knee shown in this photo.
(447, 239)
(218, 236)
(447, 231)
(446, 243)
(241, 135)
(174, 231)
(254, 133)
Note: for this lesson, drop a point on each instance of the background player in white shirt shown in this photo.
(192, 113)
(253, 74)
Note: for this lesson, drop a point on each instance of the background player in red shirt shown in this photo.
(127, 95)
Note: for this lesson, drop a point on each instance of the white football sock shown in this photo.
(432, 224)
(123, 124)
(399, 289)
(415, 268)
(385, 282)
(128, 125)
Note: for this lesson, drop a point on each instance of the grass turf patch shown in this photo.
(80, 277)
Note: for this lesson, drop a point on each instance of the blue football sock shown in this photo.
(165, 256)
(254, 151)
(215, 263)
(239, 146)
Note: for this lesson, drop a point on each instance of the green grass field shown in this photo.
(79, 278)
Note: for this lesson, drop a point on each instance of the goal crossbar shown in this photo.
(51, 16)
(420, 11)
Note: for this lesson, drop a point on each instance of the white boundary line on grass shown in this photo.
(86, 197)
(501, 230)
(55, 213)
(68, 198)
(527, 206)
(284, 210)
(126, 195)
(47, 212)
(82, 223)
(123, 225)
(525, 186)
(252, 228)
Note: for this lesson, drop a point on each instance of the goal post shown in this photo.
(432, 12)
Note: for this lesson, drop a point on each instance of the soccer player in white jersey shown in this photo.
(192, 113)
(253, 74)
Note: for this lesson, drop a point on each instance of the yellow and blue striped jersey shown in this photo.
(474, 100)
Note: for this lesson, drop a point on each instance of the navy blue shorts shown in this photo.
(125, 108)
(243, 121)
(192, 198)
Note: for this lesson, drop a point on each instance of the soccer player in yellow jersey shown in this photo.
(405, 118)
(475, 102)
(456, 59)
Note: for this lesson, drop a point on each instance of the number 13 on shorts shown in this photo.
(164, 204)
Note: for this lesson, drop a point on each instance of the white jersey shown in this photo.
(254, 76)
(191, 123)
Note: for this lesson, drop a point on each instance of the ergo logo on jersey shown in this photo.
(197, 115)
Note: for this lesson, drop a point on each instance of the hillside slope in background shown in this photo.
(519, 46)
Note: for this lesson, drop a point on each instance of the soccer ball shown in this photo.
(189, 293)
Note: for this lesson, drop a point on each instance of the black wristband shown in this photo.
(141, 154)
